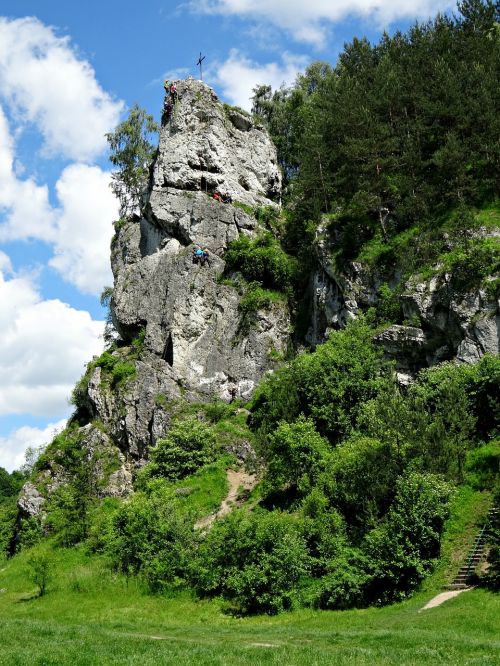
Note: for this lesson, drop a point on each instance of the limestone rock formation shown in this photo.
(451, 324)
(194, 344)
(186, 315)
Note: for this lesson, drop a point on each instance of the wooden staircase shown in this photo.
(476, 554)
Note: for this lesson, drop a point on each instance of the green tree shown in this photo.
(190, 444)
(328, 385)
(253, 561)
(40, 570)
(151, 537)
(296, 454)
(132, 151)
(404, 547)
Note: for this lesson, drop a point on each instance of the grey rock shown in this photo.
(194, 347)
(203, 147)
(405, 344)
(30, 501)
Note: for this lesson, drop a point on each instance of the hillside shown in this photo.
(333, 347)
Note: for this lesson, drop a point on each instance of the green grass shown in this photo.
(468, 513)
(91, 616)
(208, 487)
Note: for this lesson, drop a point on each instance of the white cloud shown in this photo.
(24, 203)
(238, 75)
(45, 344)
(14, 445)
(84, 227)
(308, 20)
(80, 229)
(45, 83)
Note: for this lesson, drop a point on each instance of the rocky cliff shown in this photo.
(441, 320)
(179, 322)
(193, 345)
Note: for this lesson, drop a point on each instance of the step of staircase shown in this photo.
(476, 554)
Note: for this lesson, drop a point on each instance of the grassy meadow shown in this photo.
(91, 615)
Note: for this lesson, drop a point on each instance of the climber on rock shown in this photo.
(206, 257)
(217, 197)
(197, 255)
(227, 198)
(173, 93)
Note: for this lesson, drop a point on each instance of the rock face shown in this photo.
(194, 344)
(446, 324)
(205, 146)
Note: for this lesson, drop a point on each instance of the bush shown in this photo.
(360, 480)
(262, 260)
(346, 584)
(253, 561)
(328, 385)
(40, 570)
(190, 444)
(254, 299)
(151, 537)
(8, 516)
(296, 454)
(405, 545)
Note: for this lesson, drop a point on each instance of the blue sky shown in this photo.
(68, 73)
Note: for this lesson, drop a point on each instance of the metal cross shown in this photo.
(200, 61)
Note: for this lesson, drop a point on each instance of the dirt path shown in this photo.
(444, 596)
(236, 480)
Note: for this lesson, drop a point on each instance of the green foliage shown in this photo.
(345, 585)
(360, 480)
(153, 538)
(492, 577)
(371, 135)
(253, 561)
(189, 445)
(228, 108)
(261, 260)
(8, 516)
(484, 396)
(406, 544)
(253, 300)
(132, 151)
(68, 504)
(296, 454)
(244, 207)
(10, 484)
(327, 385)
(119, 371)
(483, 466)
(389, 309)
(40, 570)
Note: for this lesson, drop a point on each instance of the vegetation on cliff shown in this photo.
(397, 149)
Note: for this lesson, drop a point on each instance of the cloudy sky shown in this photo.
(68, 73)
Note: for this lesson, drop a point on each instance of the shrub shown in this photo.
(262, 260)
(346, 584)
(40, 570)
(295, 454)
(253, 561)
(360, 480)
(405, 545)
(152, 537)
(328, 385)
(190, 444)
